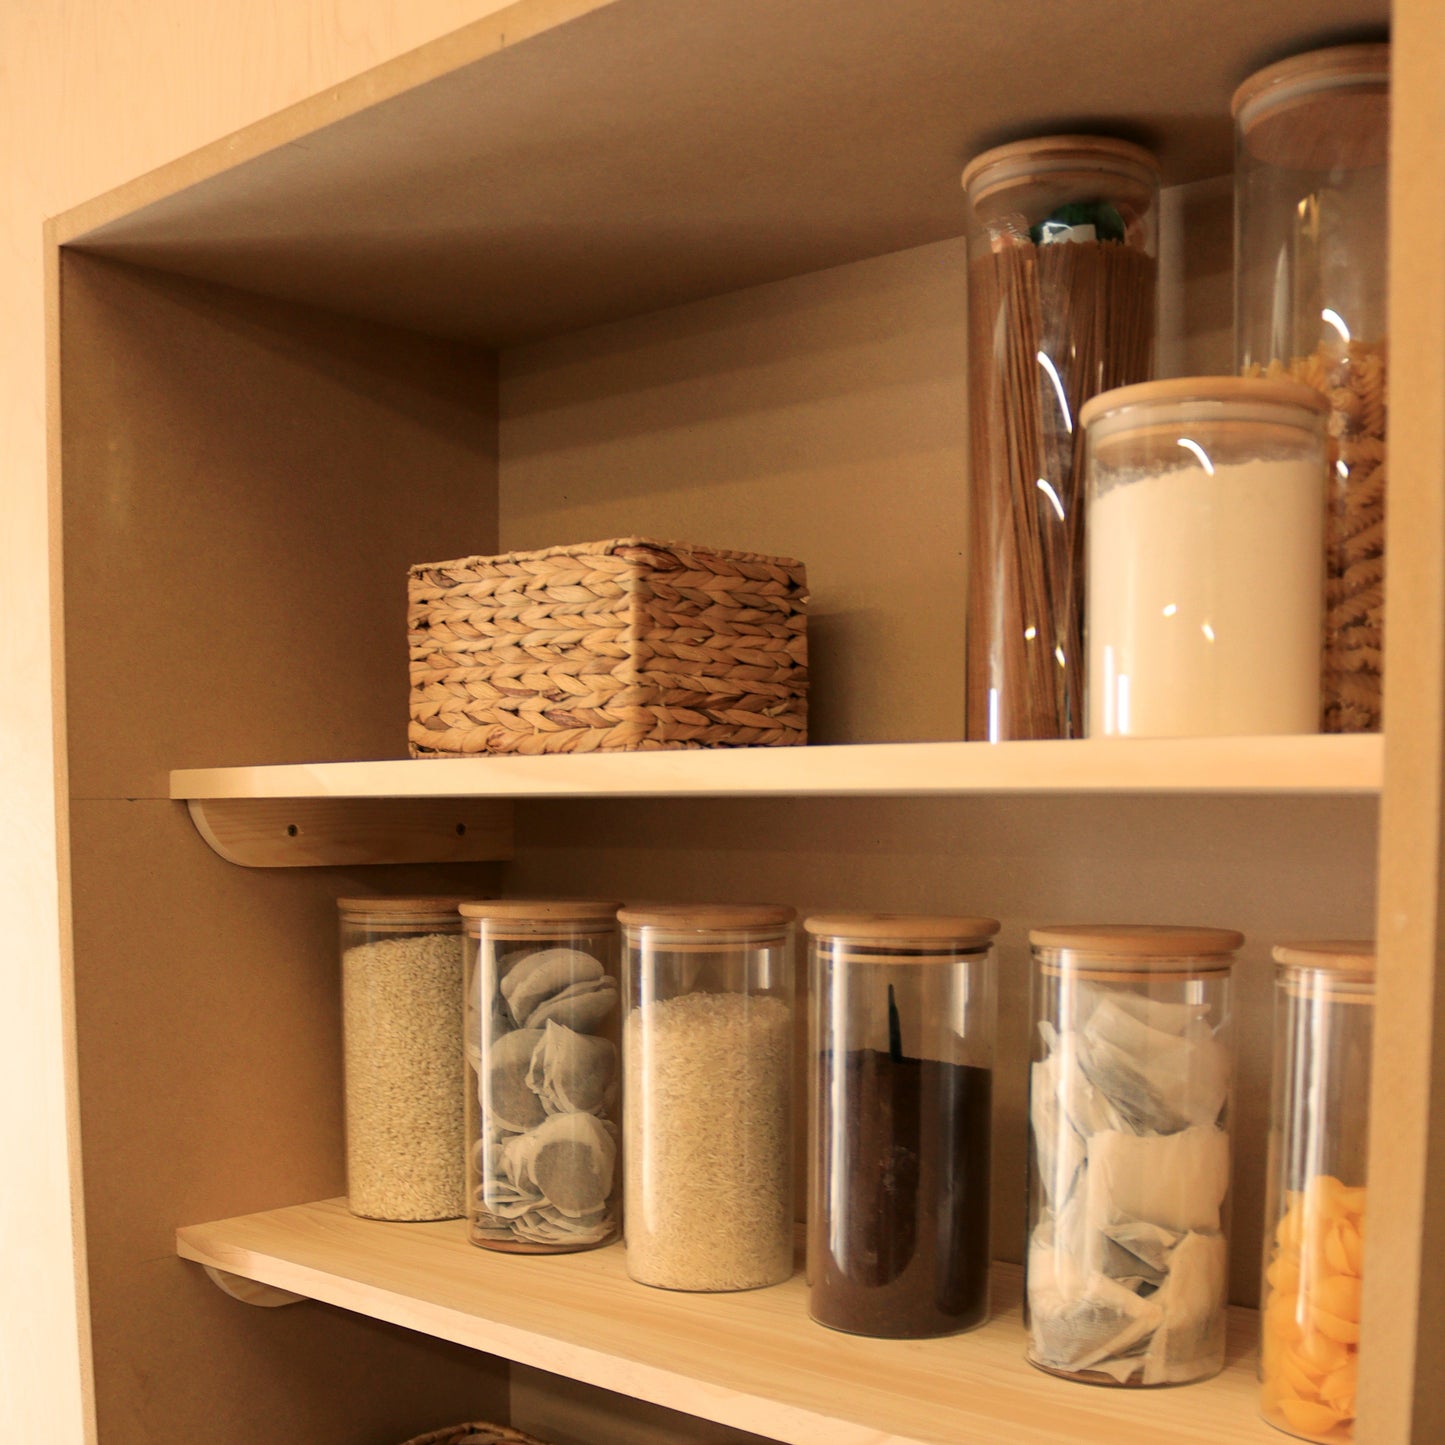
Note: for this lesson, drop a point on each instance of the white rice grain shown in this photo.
(708, 1139)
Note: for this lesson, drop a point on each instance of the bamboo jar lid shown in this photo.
(543, 910)
(425, 906)
(1355, 956)
(1023, 162)
(1322, 110)
(685, 924)
(903, 928)
(1206, 391)
(1138, 948)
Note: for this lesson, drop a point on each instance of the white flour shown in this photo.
(1205, 594)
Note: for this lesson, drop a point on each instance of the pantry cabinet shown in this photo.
(582, 270)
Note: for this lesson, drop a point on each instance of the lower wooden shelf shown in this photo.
(753, 1360)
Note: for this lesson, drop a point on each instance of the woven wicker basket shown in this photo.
(475, 1434)
(607, 646)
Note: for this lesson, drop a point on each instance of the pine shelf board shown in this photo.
(701, 148)
(1262, 765)
(752, 1360)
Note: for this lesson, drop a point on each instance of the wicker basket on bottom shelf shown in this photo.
(476, 1434)
(608, 646)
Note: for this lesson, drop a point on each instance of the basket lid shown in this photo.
(1145, 948)
(542, 910)
(903, 928)
(1335, 955)
(1221, 390)
(1321, 110)
(706, 917)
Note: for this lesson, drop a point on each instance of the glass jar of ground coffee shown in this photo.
(901, 1053)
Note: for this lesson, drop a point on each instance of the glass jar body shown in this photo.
(401, 989)
(901, 1043)
(1062, 279)
(1315, 1201)
(1311, 248)
(1129, 1178)
(543, 1080)
(1205, 559)
(708, 1079)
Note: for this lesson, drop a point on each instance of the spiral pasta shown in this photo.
(1353, 377)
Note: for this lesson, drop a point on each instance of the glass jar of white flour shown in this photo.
(1205, 585)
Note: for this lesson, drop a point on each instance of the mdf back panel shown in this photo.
(243, 486)
(825, 417)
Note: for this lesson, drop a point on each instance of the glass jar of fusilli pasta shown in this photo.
(1311, 163)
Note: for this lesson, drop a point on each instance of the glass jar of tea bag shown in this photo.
(1311, 208)
(1129, 1118)
(708, 1090)
(1062, 273)
(542, 1010)
(901, 1041)
(401, 990)
(1324, 1023)
(1206, 566)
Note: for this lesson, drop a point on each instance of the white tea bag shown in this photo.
(1191, 1333)
(1177, 1181)
(1079, 1319)
(1160, 1081)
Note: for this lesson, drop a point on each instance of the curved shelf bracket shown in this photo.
(314, 832)
(251, 1291)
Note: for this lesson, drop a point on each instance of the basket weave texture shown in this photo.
(607, 646)
(475, 1434)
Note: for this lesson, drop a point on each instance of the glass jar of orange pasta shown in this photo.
(1316, 1201)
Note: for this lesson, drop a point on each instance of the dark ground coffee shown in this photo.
(903, 1251)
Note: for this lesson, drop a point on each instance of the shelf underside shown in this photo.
(568, 162)
(752, 1360)
(1283, 765)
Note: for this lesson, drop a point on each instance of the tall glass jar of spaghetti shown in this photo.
(1062, 268)
(1311, 242)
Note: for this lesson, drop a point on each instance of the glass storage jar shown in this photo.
(1205, 557)
(708, 1089)
(1315, 1206)
(401, 990)
(1062, 274)
(1311, 246)
(542, 1073)
(1129, 1170)
(901, 1041)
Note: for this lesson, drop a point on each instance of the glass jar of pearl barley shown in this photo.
(708, 1083)
(542, 1076)
(401, 988)
(1129, 1177)
(1324, 1025)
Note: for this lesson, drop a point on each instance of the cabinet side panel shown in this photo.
(208, 1030)
(245, 485)
(1403, 1344)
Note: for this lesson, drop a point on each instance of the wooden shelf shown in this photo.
(722, 145)
(753, 1360)
(1315, 764)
